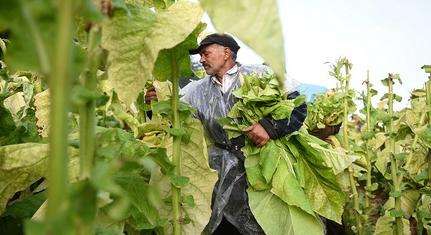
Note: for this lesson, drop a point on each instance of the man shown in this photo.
(212, 97)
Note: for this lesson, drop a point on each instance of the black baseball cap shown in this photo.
(215, 38)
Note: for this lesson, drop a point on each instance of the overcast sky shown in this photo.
(384, 36)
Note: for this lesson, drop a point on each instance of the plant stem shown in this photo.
(59, 81)
(87, 122)
(176, 158)
(368, 192)
(394, 163)
(87, 118)
(355, 196)
(428, 91)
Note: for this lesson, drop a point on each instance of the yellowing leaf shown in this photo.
(194, 157)
(23, 164)
(14, 103)
(135, 37)
(163, 90)
(385, 226)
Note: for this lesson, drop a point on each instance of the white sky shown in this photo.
(384, 36)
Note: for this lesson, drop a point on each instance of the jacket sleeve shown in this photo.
(279, 128)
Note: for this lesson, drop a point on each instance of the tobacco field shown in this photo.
(82, 153)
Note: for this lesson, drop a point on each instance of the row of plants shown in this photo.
(389, 183)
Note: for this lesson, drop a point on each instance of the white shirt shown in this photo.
(227, 80)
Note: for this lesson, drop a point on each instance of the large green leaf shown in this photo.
(194, 164)
(255, 22)
(279, 218)
(7, 126)
(287, 188)
(144, 200)
(253, 170)
(23, 164)
(177, 58)
(134, 38)
(319, 181)
(335, 157)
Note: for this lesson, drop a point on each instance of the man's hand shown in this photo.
(150, 95)
(257, 134)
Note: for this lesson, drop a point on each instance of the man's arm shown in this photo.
(279, 128)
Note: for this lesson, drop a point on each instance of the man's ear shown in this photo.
(227, 53)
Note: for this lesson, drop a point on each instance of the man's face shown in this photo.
(213, 58)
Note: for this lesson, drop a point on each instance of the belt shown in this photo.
(234, 147)
(229, 147)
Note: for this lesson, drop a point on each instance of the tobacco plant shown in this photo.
(367, 137)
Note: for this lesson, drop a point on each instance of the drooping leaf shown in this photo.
(177, 58)
(287, 188)
(409, 199)
(319, 180)
(194, 157)
(279, 218)
(385, 226)
(23, 164)
(269, 158)
(144, 198)
(416, 162)
(336, 158)
(163, 90)
(253, 170)
(135, 37)
(259, 27)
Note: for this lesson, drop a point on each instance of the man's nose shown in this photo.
(202, 59)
